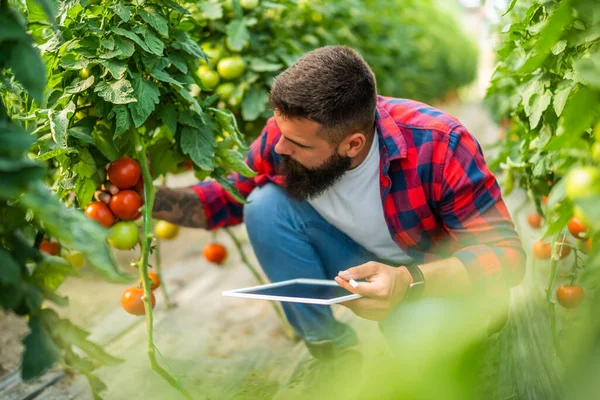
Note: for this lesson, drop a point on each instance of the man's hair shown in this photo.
(332, 85)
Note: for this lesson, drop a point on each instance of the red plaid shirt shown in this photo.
(438, 195)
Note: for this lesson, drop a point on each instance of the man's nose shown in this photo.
(282, 148)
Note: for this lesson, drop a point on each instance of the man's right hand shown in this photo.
(179, 206)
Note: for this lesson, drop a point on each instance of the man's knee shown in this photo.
(263, 204)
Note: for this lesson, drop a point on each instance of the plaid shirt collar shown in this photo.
(391, 140)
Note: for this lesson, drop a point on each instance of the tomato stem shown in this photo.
(289, 331)
(149, 193)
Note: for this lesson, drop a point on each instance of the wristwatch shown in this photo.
(417, 287)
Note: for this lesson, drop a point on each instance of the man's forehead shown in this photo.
(297, 127)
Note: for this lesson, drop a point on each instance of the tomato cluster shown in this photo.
(119, 199)
(131, 298)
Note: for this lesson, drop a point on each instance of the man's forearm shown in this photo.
(446, 277)
(179, 206)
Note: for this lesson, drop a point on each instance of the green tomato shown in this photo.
(123, 235)
(208, 77)
(582, 182)
(225, 90)
(249, 4)
(214, 53)
(84, 73)
(231, 67)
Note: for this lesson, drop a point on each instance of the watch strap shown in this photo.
(417, 287)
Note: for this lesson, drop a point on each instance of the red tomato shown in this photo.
(577, 228)
(534, 220)
(124, 172)
(542, 250)
(131, 301)
(215, 252)
(100, 213)
(126, 204)
(569, 296)
(50, 247)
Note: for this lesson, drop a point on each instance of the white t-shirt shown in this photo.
(353, 205)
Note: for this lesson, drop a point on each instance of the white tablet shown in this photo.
(312, 291)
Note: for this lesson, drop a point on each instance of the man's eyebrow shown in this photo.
(296, 143)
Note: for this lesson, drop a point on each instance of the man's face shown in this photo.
(310, 163)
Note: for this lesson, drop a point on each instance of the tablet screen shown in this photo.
(305, 290)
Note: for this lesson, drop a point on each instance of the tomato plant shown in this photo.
(216, 253)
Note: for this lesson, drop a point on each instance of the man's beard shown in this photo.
(304, 183)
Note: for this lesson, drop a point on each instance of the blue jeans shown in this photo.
(291, 240)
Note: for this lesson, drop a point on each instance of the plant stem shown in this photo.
(551, 304)
(157, 263)
(149, 192)
(289, 331)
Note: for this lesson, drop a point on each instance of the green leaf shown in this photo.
(540, 104)
(122, 120)
(235, 160)
(178, 61)
(147, 95)
(227, 184)
(238, 34)
(10, 273)
(183, 42)
(510, 7)
(86, 166)
(165, 77)
(12, 28)
(41, 353)
(589, 70)
(559, 47)
(155, 20)
(200, 146)
(82, 133)
(59, 122)
(28, 68)
(155, 45)
(103, 140)
(190, 99)
(260, 65)
(211, 11)
(41, 10)
(227, 122)
(561, 95)
(168, 115)
(254, 103)
(164, 155)
(80, 85)
(132, 36)
(76, 336)
(123, 47)
(573, 121)
(122, 11)
(116, 68)
(51, 272)
(14, 141)
(73, 229)
(85, 191)
(116, 92)
(549, 35)
(590, 208)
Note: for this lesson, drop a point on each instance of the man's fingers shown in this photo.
(361, 271)
(368, 289)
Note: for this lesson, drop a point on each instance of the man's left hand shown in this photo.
(385, 288)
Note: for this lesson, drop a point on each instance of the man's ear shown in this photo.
(352, 145)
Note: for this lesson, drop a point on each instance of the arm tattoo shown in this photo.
(179, 206)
